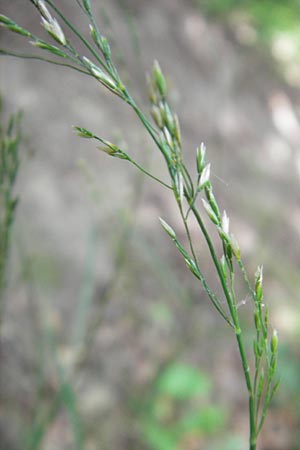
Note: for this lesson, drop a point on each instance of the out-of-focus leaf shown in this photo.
(182, 381)
(209, 420)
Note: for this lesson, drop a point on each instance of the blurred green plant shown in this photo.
(289, 369)
(10, 136)
(64, 397)
(269, 17)
(179, 409)
(260, 380)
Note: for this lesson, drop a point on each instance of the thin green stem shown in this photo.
(216, 264)
(232, 289)
(187, 230)
(238, 331)
(212, 296)
(188, 180)
(193, 201)
(267, 397)
(81, 37)
(258, 395)
(199, 275)
(40, 58)
(215, 300)
(253, 295)
(148, 173)
(257, 365)
(143, 119)
(133, 162)
(247, 281)
(80, 6)
(114, 72)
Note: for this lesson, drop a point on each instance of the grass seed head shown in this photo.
(152, 93)
(274, 342)
(87, 5)
(113, 150)
(105, 79)
(51, 48)
(201, 157)
(54, 29)
(6, 20)
(156, 115)
(159, 79)
(258, 283)
(169, 119)
(211, 199)
(105, 47)
(177, 132)
(94, 34)
(12, 26)
(168, 137)
(179, 186)
(224, 266)
(167, 228)
(225, 222)
(210, 212)
(235, 247)
(257, 320)
(83, 132)
(44, 11)
(205, 175)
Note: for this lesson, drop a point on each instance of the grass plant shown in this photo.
(9, 164)
(88, 319)
(258, 364)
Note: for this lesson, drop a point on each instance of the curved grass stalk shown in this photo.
(166, 136)
(41, 58)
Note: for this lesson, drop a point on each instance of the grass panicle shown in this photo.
(164, 129)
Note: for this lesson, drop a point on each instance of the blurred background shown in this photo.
(107, 341)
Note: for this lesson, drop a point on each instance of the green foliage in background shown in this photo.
(289, 368)
(180, 409)
(269, 17)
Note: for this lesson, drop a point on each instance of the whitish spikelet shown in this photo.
(258, 282)
(235, 247)
(205, 175)
(274, 341)
(167, 228)
(99, 74)
(201, 156)
(44, 11)
(159, 79)
(210, 212)
(225, 222)
(54, 29)
(83, 132)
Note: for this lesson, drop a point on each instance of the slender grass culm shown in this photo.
(9, 165)
(261, 380)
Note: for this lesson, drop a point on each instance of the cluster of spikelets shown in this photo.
(165, 132)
